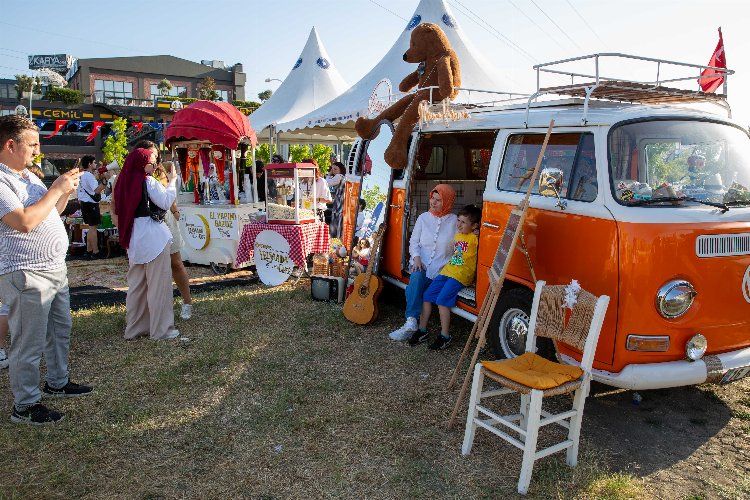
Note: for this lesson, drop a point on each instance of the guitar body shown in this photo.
(361, 307)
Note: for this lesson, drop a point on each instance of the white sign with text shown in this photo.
(272, 260)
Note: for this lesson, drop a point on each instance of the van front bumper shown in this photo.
(710, 368)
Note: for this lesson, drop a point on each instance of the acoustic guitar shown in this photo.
(361, 306)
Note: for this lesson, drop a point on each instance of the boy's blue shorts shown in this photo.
(443, 291)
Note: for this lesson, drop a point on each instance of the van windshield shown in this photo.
(683, 162)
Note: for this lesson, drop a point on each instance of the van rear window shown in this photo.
(571, 153)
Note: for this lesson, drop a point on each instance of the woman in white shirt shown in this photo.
(141, 202)
(430, 248)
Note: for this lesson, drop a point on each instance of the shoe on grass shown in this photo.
(440, 343)
(417, 337)
(187, 311)
(3, 359)
(37, 414)
(173, 334)
(69, 390)
(405, 332)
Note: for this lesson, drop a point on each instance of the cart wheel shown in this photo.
(219, 268)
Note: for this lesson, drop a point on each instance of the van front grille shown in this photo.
(722, 245)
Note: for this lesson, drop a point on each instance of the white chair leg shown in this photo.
(574, 431)
(472, 413)
(532, 432)
(524, 411)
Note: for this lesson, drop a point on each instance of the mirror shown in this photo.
(374, 182)
(550, 183)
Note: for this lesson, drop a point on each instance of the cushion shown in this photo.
(534, 371)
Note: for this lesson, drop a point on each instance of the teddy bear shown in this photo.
(438, 67)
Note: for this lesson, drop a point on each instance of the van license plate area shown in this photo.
(735, 374)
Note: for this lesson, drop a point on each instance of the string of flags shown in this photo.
(95, 129)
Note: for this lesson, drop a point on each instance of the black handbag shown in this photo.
(154, 211)
(97, 197)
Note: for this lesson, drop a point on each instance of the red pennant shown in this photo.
(59, 124)
(137, 126)
(712, 79)
(95, 130)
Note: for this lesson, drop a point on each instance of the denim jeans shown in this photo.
(418, 283)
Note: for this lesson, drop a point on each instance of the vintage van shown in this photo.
(653, 210)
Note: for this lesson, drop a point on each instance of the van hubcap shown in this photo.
(514, 326)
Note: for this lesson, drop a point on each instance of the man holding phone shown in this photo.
(89, 194)
(33, 275)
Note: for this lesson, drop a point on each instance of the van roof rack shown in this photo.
(592, 84)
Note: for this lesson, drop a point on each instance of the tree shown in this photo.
(373, 196)
(322, 155)
(265, 95)
(24, 83)
(164, 87)
(115, 145)
(298, 152)
(207, 90)
(262, 153)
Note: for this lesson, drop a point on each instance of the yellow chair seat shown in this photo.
(534, 371)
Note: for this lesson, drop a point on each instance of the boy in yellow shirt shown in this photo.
(456, 274)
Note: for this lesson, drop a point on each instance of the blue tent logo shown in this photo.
(298, 63)
(414, 22)
(323, 63)
(449, 21)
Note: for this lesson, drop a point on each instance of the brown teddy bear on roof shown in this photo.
(438, 67)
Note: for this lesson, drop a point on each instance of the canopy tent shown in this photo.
(217, 122)
(338, 116)
(312, 82)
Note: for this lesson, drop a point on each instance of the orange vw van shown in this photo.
(653, 210)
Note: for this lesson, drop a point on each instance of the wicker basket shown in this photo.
(320, 264)
(338, 266)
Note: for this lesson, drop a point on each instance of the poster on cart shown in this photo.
(224, 224)
(272, 260)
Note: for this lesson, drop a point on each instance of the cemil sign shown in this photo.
(56, 62)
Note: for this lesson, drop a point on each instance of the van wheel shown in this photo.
(510, 324)
(220, 269)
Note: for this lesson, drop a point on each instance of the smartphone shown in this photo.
(78, 165)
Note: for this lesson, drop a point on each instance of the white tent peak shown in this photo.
(312, 82)
(338, 116)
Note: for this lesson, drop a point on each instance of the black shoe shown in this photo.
(418, 337)
(86, 255)
(36, 415)
(96, 256)
(440, 343)
(70, 390)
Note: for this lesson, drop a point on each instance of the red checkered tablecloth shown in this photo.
(303, 239)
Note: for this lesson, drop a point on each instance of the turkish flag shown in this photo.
(94, 130)
(137, 126)
(712, 79)
(59, 124)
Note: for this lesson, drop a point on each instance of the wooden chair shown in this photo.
(534, 378)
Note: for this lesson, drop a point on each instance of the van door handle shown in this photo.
(396, 206)
(493, 226)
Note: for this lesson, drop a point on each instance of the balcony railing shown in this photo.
(118, 100)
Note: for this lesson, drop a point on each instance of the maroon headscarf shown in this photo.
(128, 192)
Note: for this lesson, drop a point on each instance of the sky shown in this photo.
(267, 37)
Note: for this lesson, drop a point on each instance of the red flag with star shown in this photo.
(712, 79)
(94, 130)
(59, 124)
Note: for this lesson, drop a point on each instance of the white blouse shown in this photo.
(149, 237)
(322, 192)
(432, 241)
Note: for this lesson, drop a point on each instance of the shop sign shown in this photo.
(223, 224)
(197, 231)
(62, 114)
(272, 262)
(56, 62)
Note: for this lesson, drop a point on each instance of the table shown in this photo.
(303, 239)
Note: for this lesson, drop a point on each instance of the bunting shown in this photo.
(59, 124)
(41, 123)
(94, 130)
(137, 126)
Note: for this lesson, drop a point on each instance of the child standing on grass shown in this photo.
(456, 274)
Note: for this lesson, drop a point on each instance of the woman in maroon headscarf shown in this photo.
(140, 202)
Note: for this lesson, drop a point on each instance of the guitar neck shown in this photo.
(375, 253)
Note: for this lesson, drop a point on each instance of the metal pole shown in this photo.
(255, 178)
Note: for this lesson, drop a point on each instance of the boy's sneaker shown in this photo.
(440, 343)
(36, 415)
(405, 332)
(70, 390)
(187, 311)
(3, 359)
(418, 337)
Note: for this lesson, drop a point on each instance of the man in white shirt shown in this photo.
(89, 194)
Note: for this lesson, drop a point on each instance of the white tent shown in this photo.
(338, 116)
(312, 82)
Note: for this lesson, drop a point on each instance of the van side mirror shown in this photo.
(550, 183)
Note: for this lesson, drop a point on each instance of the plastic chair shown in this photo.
(534, 377)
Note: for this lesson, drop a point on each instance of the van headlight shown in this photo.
(696, 347)
(674, 298)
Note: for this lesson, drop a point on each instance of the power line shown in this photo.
(587, 24)
(556, 25)
(388, 10)
(504, 38)
(13, 50)
(531, 19)
(67, 36)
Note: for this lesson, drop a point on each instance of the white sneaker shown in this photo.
(173, 334)
(404, 333)
(3, 360)
(187, 311)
